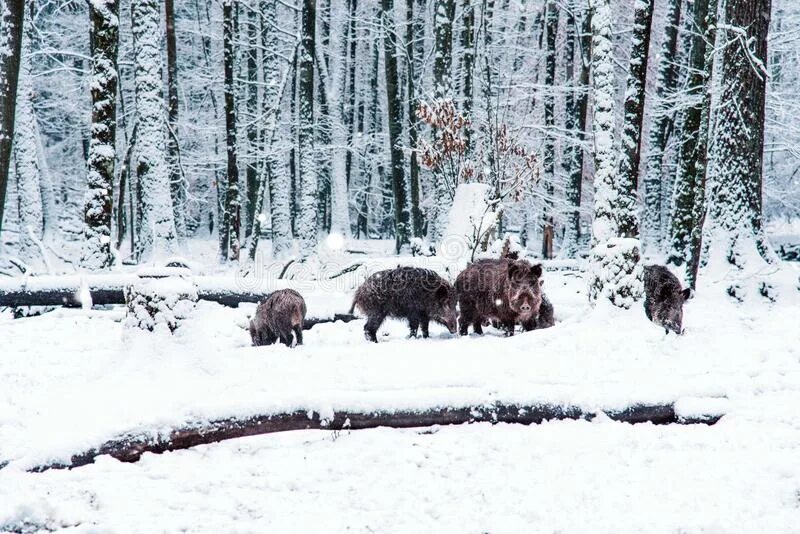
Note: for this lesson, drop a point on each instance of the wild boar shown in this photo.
(664, 298)
(507, 291)
(418, 295)
(277, 317)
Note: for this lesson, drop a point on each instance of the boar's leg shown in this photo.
(468, 316)
(509, 327)
(423, 322)
(477, 325)
(413, 326)
(268, 337)
(529, 325)
(286, 338)
(298, 334)
(371, 327)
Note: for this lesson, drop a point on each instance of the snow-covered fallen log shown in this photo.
(130, 448)
(97, 290)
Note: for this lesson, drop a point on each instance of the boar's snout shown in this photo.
(450, 320)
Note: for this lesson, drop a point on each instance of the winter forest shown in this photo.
(554, 187)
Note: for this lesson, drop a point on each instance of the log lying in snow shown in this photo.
(74, 290)
(130, 448)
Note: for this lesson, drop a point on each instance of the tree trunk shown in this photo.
(177, 187)
(340, 131)
(130, 448)
(686, 184)
(156, 231)
(549, 156)
(666, 83)
(11, 30)
(615, 273)
(231, 225)
(395, 116)
(26, 160)
(97, 252)
(628, 222)
(467, 67)
(413, 67)
(307, 178)
(735, 233)
(442, 89)
(254, 156)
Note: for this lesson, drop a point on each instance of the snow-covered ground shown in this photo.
(72, 379)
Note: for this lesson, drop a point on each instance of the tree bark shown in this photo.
(549, 156)
(11, 29)
(98, 252)
(413, 33)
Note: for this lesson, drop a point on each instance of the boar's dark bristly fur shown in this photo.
(546, 317)
(504, 290)
(664, 298)
(277, 317)
(419, 295)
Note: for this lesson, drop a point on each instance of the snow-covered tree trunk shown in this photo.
(97, 252)
(156, 229)
(666, 83)
(253, 157)
(631, 142)
(231, 224)
(687, 182)
(340, 209)
(615, 272)
(734, 234)
(307, 224)
(11, 22)
(177, 187)
(274, 179)
(702, 150)
(395, 115)
(442, 89)
(26, 161)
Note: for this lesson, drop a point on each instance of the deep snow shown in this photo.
(74, 378)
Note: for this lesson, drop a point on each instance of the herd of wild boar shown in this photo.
(503, 292)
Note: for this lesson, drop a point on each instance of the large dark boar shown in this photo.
(419, 295)
(281, 314)
(504, 290)
(664, 298)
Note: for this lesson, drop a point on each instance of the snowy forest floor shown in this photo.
(72, 379)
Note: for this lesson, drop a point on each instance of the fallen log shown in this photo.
(100, 290)
(131, 447)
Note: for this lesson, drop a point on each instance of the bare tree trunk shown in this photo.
(97, 252)
(10, 53)
(232, 221)
(395, 113)
(177, 187)
(549, 156)
(413, 33)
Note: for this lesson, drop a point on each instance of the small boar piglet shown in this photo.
(279, 316)
(417, 295)
(503, 290)
(664, 298)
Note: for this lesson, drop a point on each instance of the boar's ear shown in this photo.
(442, 292)
(687, 293)
(537, 270)
(513, 269)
